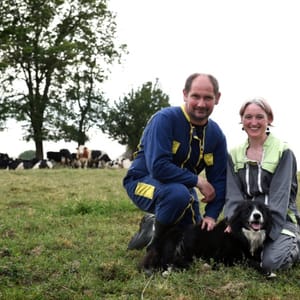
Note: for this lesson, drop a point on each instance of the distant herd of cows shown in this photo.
(83, 158)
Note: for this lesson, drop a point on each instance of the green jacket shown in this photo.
(273, 181)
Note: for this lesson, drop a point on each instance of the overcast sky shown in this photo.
(250, 46)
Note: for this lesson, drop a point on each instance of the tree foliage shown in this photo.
(126, 120)
(28, 154)
(85, 105)
(43, 42)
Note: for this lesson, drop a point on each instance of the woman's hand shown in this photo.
(228, 229)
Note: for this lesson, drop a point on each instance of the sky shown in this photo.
(250, 46)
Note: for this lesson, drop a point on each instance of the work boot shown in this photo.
(145, 234)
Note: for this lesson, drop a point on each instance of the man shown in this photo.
(177, 144)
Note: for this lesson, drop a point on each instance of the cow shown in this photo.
(66, 157)
(43, 164)
(4, 160)
(126, 163)
(119, 163)
(83, 156)
(99, 159)
(63, 156)
(54, 157)
(24, 164)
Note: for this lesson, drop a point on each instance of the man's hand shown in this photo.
(206, 189)
(208, 223)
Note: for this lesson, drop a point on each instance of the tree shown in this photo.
(85, 105)
(42, 42)
(126, 120)
(28, 154)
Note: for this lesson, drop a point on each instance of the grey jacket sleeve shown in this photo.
(233, 190)
(283, 191)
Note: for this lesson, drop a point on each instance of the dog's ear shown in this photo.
(240, 213)
(235, 221)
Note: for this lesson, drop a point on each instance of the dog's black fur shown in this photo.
(178, 247)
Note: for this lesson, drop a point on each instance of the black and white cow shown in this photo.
(43, 164)
(119, 163)
(99, 159)
(24, 164)
(54, 156)
(66, 157)
(4, 160)
(63, 156)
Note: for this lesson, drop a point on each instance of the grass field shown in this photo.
(64, 233)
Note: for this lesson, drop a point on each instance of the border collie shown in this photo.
(250, 225)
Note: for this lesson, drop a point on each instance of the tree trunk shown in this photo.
(38, 140)
(39, 149)
(81, 138)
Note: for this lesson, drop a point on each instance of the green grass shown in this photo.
(64, 233)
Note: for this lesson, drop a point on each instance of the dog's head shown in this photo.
(251, 215)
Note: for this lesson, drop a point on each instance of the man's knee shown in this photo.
(179, 195)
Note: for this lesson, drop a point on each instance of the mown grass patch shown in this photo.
(64, 233)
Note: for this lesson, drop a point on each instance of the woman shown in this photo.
(264, 168)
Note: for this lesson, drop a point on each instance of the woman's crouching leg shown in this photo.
(280, 254)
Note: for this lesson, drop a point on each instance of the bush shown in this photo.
(29, 154)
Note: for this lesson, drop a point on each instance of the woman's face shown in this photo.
(255, 121)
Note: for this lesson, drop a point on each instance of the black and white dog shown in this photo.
(250, 225)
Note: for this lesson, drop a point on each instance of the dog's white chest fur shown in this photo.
(255, 238)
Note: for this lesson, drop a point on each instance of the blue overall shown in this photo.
(164, 173)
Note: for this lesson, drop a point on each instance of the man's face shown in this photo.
(200, 100)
